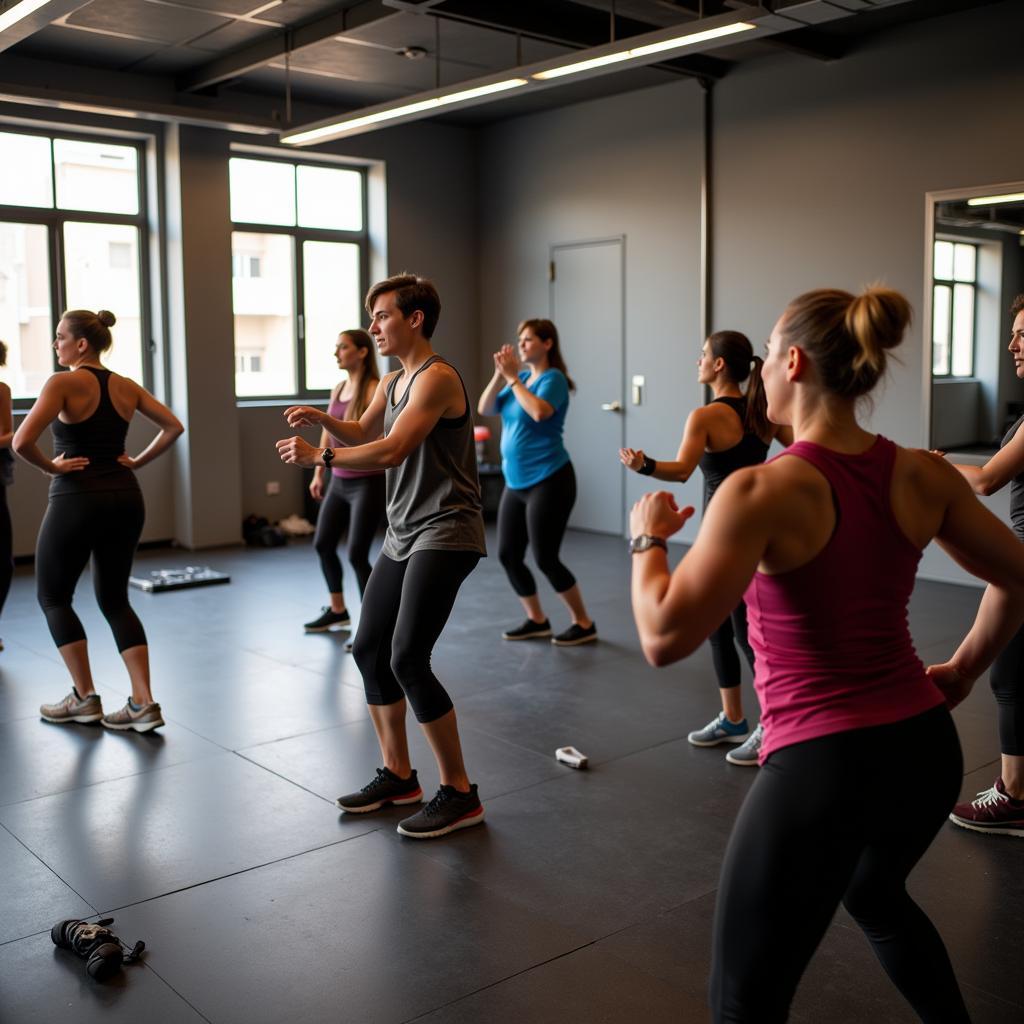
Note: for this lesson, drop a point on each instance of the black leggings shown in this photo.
(1007, 681)
(723, 648)
(841, 818)
(6, 548)
(405, 607)
(106, 525)
(355, 505)
(537, 515)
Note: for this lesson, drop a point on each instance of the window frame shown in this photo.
(299, 236)
(951, 283)
(54, 218)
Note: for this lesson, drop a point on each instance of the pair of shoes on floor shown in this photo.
(327, 620)
(992, 810)
(572, 637)
(83, 710)
(721, 730)
(448, 811)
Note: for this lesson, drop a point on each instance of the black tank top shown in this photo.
(1016, 488)
(100, 439)
(750, 451)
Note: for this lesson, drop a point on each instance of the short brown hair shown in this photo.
(412, 292)
(846, 336)
(3, 353)
(1017, 305)
(94, 327)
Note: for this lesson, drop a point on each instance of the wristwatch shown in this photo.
(328, 457)
(645, 542)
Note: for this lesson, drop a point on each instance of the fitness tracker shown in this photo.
(648, 467)
(328, 457)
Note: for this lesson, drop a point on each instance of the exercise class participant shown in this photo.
(730, 432)
(434, 539)
(1000, 809)
(540, 484)
(810, 538)
(353, 499)
(6, 479)
(95, 509)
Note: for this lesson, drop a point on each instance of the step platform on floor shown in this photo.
(159, 580)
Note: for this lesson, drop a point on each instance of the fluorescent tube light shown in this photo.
(1014, 197)
(19, 11)
(639, 52)
(353, 124)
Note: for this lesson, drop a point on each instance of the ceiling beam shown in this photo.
(23, 19)
(277, 44)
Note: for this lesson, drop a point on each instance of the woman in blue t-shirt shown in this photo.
(540, 485)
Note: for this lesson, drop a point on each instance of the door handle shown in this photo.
(611, 406)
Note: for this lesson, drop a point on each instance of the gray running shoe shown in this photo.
(147, 717)
(74, 709)
(719, 730)
(746, 754)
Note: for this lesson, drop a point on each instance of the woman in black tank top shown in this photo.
(95, 510)
(730, 432)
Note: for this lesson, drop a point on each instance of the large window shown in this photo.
(954, 294)
(299, 257)
(72, 236)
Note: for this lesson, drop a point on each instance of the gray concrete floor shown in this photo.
(586, 897)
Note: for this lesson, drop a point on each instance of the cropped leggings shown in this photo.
(1007, 680)
(6, 548)
(106, 525)
(842, 818)
(354, 505)
(537, 516)
(405, 607)
(724, 640)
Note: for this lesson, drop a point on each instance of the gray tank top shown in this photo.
(1016, 488)
(434, 495)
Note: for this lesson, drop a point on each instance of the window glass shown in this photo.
(97, 176)
(264, 305)
(964, 259)
(26, 178)
(331, 286)
(963, 330)
(942, 296)
(25, 315)
(944, 260)
(101, 268)
(330, 198)
(262, 192)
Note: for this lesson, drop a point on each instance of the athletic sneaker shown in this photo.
(327, 620)
(576, 635)
(992, 810)
(746, 753)
(529, 630)
(74, 709)
(720, 730)
(386, 788)
(144, 718)
(448, 811)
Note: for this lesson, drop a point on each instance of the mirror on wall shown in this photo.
(974, 268)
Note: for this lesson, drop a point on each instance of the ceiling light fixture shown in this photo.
(29, 16)
(19, 11)
(1013, 197)
(633, 52)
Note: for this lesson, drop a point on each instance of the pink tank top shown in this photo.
(831, 639)
(337, 409)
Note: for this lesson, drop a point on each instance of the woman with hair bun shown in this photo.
(823, 542)
(730, 432)
(6, 479)
(540, 483)
(95, 509)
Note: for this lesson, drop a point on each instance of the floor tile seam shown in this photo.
(295, 736)
(986, 764)
(499, 981)
(990, 994)
(284, 778)
(180, 995)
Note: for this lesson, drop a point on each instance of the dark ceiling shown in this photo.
(249, 62)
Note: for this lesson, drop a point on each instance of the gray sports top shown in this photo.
(434, 495)
(1016, 488)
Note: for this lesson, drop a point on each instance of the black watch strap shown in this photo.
(327, 455)
(645, 542)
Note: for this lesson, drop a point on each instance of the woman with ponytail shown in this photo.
(730, 432)
(823, 542)
(353, 499)
(95, 509)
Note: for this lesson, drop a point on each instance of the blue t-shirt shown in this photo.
(532, 451)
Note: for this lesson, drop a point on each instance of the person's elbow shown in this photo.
(20, 443)
(986, 486)
(665, 649)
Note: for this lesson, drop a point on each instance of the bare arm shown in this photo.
(349, 432)
(506, 363)
(691, 448)
(1007, 463)
(170, 430)
(6, 417)
(488, 404)
(46, 409)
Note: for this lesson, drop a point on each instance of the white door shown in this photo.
(587, 308)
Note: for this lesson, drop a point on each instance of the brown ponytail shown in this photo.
(546, 331)
(735, 350)
(362, 340)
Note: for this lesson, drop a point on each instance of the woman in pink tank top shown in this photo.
(822, 542)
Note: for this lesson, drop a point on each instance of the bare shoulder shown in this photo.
(927, 470)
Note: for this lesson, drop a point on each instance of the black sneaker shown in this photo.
(576, 635)
(328, 620)
(387, 788)
(448, 811)
(529, 630)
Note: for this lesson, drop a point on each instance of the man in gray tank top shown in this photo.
(418, 429)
